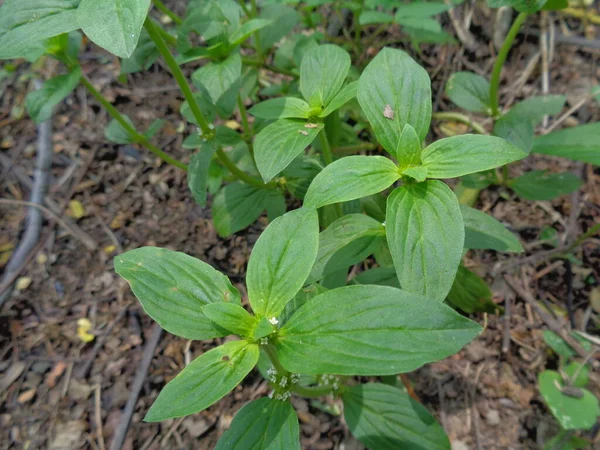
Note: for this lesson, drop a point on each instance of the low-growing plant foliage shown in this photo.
(307, 328)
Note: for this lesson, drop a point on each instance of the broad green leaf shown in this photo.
(422, 9)
(283, 18)
(394, 90)
(197, 174)
(383, 276)
(370, 330)
(236, 206)
(346, 94)
(374, 17)
(359, 229)
(482, 231)
(231, 317)
(469, 91)
(204, 102)
(578, 374)
(322, 74)
(25, 24)
(154, 128)
(173, 287)
(578, 143)
(264, 424)
(303, 295)
(416, 25)
(114, 25)
(560, 347)
(408, 151)
(528, 6)
(555, 5)
(516, 130)
(115, 132)
(276, 146)
(204, 381)
(281, 261)
(535, 109)
(467, 153)
(41, 102)
(425, 232)
(281, 108)
(542, 185)
(572, 413)
(276, 205)
(219, 77)
(244, 32)
(470, 293)
(385, 418)
(350, 178)
(418, 173)
(144, 55)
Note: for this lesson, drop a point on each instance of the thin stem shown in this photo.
(254, 62)
(244, 7)
(167, 12)
(240, 174)
(254, 15)
(168, 37)
(137, 137)
(272, 355)
(357, 26)
(311, 392)
(462, 118)
(327, 156)
(245, 124)
(502, 54)
(588, 234)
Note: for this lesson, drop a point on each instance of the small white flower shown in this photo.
(335, 386)
(283, 382)
(211, 126)
(273, 320)
(271, 394)
(264, 341)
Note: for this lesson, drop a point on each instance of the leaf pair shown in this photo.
(298, 122)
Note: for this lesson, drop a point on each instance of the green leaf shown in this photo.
(322, 73)
(114, 25)
(350, 178)
(578, 143)
(469, 91)
(467, 153)
(204, 381)
(25, 24)
(560, 347)
(346, 94)
(231, 317)
(542, 185)
(276, 146)
(385, 418)
(41, 102)
(420, 10)
(581, 371)
(528, 6)
(370, 330)
(571, 412)
(335, 249)
(382, 276)
(425, 232)
(418, 173)
(519, 132)
(197, 174)
(144, 55)
(555, 5)
(408, 151)
(115, 132)
(236, 206)
(281, 108)
(281, 261)
(173, 287)
(482, 231)
(375, 17)
(470, 293)
(246, 30)
(219, 77)
(534, 109)
(264, 424)
(283, 20)
(394, 90)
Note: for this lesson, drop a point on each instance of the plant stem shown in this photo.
(245, 125)
(244, 7)
(167, 12)
(327, 156)
(138, 137)
(254, 15)
(205, 127)
(502, 54)
(311, 392)
(588, 234)
(462, 118)
(358, 27)
(272, 355)
(169, 38)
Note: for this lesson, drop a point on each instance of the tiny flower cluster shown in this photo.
(329, 380)
(281, 384)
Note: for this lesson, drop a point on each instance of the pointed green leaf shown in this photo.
(370, 330)
(346, 94)
(219, 77)
(534, 109)
(425, 232)
(542, 185)
(469, 91)
(236, 206)
(283, 18)
(385, 418)
(281, 261)
(394, 90)
(578, 143)
(41, 102)
(382, 276)
(408, 151)
(173, 287)
(516, 130)
(468, 153)
(204, 381)
(246, 30)
(279, 143)
(281, 108)
(373, 17)
(197, 174)
(350, 178)
(116, 133)
(418, 173)
(482, 231)
(114, 25)
(231, 317)
(322, 73)
(470, 293)
(264, 424)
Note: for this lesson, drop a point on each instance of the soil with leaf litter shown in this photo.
(123, 198)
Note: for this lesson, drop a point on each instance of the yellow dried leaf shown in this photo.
(22, 283)
(83, 328)
(232, 124)
(109, 249)
(76, 209)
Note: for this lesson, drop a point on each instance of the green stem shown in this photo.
(244, 7)
(254, 15)
(458, 117)
(312, 392)
(272, 355)
(357, 26)
(167, 12)
(327, 156)
(248, 134)
(255, 63)
(502, 54)
(169, 38)
(137, 137)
